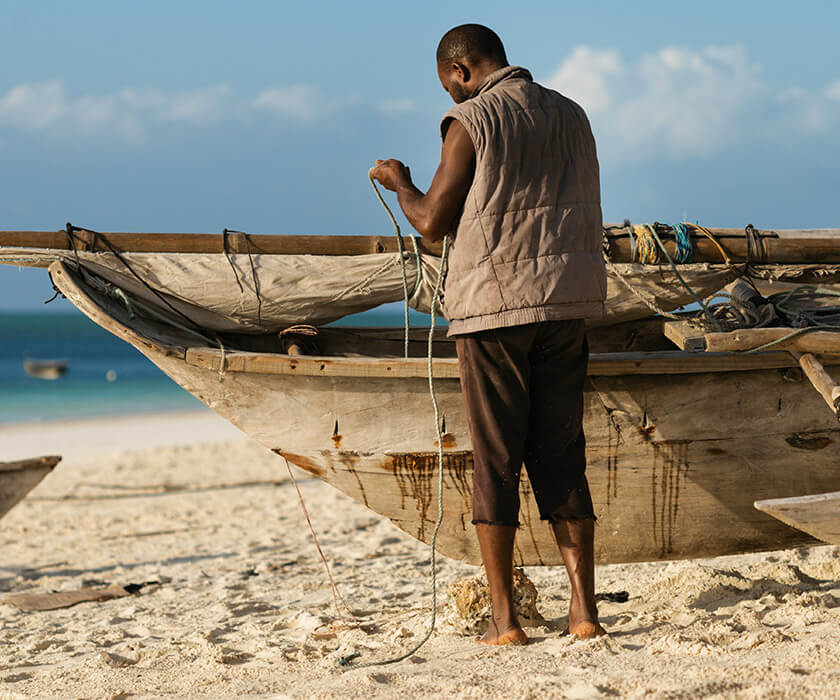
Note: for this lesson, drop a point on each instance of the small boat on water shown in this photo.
(679, 443)
(45, 369)
(18, 478)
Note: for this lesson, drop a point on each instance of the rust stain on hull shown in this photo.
(670, 467)
(303, 462)
(415, 472)
(448, 440)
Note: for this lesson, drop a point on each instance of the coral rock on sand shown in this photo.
(468, 603)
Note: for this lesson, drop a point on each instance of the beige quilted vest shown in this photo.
(527, 247)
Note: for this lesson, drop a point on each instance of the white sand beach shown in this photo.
(237, 602)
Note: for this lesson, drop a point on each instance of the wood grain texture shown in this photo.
(674, 462)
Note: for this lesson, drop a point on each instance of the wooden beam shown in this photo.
(212, 243)
(821, 380)
(826, 342)
(822, 247)
(684, 335)
(600, 364)
(782, 246)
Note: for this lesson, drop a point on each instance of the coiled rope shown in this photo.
(347, 660)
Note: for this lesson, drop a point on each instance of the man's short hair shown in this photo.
(473, 42)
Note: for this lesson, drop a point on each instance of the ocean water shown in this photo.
(94, 355)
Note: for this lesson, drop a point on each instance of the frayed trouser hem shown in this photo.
(495, 522)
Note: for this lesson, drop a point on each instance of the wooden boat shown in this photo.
(818, 515)
(45, 369)
(19, 478)
(679, 444)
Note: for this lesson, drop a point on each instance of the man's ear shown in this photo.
(462, 71)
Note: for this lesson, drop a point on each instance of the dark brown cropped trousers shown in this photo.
(523, 388)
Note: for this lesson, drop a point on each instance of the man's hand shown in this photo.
(391, 174)
(433, 214)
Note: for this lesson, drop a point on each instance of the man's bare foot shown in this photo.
(587, 630)
(513, 634)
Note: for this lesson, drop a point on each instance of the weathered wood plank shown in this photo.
(600, 364)
(818, 515)
(824, 342)
(685, 335)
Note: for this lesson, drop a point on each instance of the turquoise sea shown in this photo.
(94, 356)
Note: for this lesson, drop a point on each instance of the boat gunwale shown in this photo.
(600, 364)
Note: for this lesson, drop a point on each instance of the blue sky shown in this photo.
(265, 116)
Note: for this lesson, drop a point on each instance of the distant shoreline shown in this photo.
(85, 437)
(99, 418)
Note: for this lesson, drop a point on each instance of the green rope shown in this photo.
(346, 661)
(402, 253)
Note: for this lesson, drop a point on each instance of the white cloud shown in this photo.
(303, 103)
(583, 76)
(832, 92)
(48, 107)
(398, 105)
(681, 102)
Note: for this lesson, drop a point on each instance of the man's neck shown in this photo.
(482, 70)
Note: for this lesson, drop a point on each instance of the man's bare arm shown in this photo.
(432, 214)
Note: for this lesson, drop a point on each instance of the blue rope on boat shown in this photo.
(683, 239)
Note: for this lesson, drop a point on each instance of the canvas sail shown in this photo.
(262, 293)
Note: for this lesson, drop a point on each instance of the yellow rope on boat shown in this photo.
(646, 248)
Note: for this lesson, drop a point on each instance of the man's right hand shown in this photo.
(391, 174)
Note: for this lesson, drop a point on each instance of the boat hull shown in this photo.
(675, 461)
(18, 478)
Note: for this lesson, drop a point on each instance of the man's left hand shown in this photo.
(391, 174)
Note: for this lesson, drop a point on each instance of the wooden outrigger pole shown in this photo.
(789, 246)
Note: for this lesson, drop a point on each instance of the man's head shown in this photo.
(465, 56)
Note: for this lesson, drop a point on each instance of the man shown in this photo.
(518, 183)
